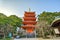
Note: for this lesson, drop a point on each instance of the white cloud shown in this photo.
(6, 11)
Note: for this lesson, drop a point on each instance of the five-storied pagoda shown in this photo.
(29, 22)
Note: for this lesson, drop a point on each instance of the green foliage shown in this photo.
(9, 23)
(48, 16)
(6, 39)
(3, 20)
(15, 21)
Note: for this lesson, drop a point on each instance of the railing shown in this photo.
(30, 22)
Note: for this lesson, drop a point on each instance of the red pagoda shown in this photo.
(29, 22)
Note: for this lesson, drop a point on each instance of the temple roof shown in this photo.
(30, 12)
(56, 22)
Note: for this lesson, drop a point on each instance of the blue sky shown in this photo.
(17, 7)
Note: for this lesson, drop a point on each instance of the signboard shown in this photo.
(56, 31)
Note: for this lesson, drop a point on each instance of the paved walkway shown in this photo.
(26, 39)
(35, 39)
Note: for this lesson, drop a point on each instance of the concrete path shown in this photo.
(27, 39)
(35, 39)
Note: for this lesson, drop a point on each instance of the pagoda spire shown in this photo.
(29, 9)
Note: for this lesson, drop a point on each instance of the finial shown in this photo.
(29, 9)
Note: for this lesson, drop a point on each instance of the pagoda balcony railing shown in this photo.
(29, 18)
(29, 22)
(28, 26)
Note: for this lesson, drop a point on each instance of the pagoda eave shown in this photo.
(30, 22)
(28, 27)
(29, 12)
(29, 18)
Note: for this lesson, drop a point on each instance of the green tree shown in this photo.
(9, 24)
(48, 16)
(15, 21)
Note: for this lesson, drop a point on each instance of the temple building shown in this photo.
(56, 25)
(29, 23)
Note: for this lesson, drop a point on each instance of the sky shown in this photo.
(18, 7)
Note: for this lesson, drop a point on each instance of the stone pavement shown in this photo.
(36, 39)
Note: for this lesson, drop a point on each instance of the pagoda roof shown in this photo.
(30, 12)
